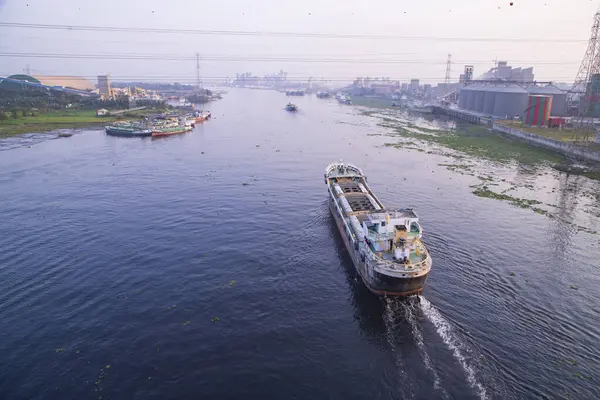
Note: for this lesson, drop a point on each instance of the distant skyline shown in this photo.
(537, 21)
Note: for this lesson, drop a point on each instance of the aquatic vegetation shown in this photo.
(59, 350)
(231, 283)
(515, 201)
(214, 319)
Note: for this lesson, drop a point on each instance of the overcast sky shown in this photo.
(420, 58)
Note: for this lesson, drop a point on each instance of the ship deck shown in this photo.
(357, 199)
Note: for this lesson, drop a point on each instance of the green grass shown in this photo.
(51, 121)
(61, 119)
(479, 142)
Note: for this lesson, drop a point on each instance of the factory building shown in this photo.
(104, 86)
(506, 72)
(73, 82)
(509, 99)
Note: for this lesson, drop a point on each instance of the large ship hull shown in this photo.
(380, 284)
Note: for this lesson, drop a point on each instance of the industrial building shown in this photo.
(104, 86)
(503, 99)
(414, 85)
(504, 71)
(73, 82)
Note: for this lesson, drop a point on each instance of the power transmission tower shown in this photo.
(448, 69)
(587, 85)
(198, 80)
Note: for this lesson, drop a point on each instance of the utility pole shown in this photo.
(198, 80)
(587, 86)
(448, 69)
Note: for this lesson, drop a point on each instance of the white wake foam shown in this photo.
(390, 321)
(444, 329)
(418, 336)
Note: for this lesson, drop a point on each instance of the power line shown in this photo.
(229, 58)
(278, 34)
(192, 80)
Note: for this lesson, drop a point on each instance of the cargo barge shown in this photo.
(385, 245)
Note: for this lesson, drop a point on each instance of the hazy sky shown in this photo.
(326, 57)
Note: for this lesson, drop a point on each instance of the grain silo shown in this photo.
(511, 100)
(489, 100)
(462, 98)
(479, 99)
(470, 96)
(559, 98)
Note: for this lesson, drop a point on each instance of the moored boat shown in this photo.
(172, 126)
(128, 130)
(384, 244)
(323, 95)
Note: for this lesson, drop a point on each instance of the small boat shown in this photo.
(128, 130)
(343, 99)
(384, 244)
(291, 107)
(200, 116)
(323, 95)
(295, 92)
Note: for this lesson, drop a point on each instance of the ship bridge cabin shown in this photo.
(394, 234)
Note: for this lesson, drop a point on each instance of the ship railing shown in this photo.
(395, 266)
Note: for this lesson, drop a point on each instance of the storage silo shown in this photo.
(470, 97)
(479, 99)
(538, 110)
(559, 98)
(510, 100)
(489, 100)
(462, 98)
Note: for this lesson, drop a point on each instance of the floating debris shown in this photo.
(231, 283)
(513, 274)
(186, 323)
(573, 287)
(214, 319)
(59, 350)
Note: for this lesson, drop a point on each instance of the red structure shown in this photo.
(538, 110)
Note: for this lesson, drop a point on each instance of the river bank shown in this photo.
(491, 160)
(62, 119)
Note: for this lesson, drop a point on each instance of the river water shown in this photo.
(208, 266)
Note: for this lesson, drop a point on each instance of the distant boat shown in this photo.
(323, 95)
(200, 116)
(172, 127)
(343, 99)
(65, 134)
(128, 130)
(295, 92)
(291, 107)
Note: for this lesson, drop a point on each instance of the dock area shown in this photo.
(464, 115)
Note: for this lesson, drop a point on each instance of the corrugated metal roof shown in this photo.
(549, 89)
(510, 88)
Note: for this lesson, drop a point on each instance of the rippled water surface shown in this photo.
(208, 266)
